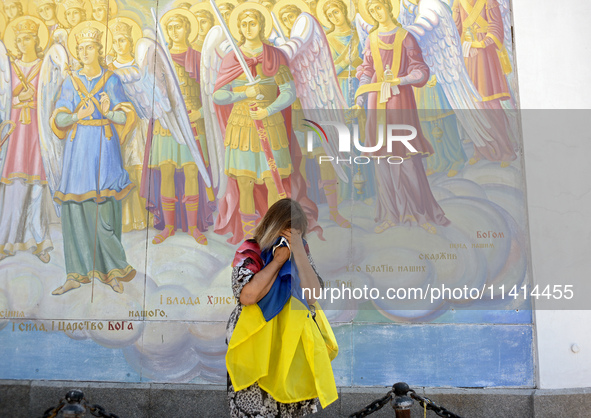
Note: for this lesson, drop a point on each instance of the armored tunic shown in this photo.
(244, 154)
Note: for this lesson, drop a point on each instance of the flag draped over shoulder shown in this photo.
(277, 343)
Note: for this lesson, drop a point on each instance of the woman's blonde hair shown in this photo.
(284, 214)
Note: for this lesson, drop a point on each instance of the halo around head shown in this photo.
(300, 4)
(367, 17)
(183, 12)
(106, 39)
(116, 27)
(25, 24)
(207, 7)
(322, 17)
(63, 5)
(233, 22)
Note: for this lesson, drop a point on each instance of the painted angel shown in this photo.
(85, 119)
(462, 73)
(25, 202)
(245, 176)
(175, 179)
(438, 120)
(393, 66)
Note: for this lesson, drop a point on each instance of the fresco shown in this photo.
(138, 150)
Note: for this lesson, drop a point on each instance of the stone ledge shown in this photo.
(29, 399)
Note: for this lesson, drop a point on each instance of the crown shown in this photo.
(74, 4)
(101, 3)
(89, 34)
(26, 26)
(121, 28)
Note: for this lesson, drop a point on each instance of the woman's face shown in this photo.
(335, 16)
(250, 28)
(378, 12)
(47, 12)
(99, 13)
(177, 31)
(88, 53)
(25, 43)
(74, 16)
(121, 45)
(289, 19)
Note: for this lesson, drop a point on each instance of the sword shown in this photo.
(261, 131)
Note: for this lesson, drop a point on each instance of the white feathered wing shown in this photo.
(215, 48)
(5, 98)
(54, 71)
(317, 87)
(432, 24)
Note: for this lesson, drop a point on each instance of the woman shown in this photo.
(24, 196)
(392, 65)
(246, 163)
(268, 289)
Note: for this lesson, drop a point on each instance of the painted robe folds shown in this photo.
(93, 181)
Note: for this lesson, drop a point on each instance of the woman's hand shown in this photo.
(296, 242)
(281, 255)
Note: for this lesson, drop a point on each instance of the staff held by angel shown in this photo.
(252, 97)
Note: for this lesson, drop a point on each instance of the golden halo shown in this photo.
(112, 10)
(233, 23)
(106, 41)
(3, 22)
(136, 30)
(61, 12)
(10, 36)
(205, 6)
(322, 17)
(300, 4)
(188, 15)
(367, 17)
(220, 2)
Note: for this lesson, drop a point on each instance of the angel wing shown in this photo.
(154, 90)
(363, 29)
(215, 48)
(432, 24)
(5, 100)
(312, 66)
(505, 6)
(51, 77)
